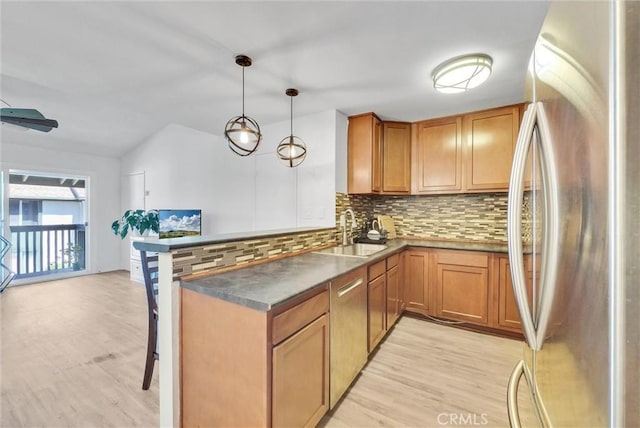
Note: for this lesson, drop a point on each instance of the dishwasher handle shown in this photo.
(350, 286)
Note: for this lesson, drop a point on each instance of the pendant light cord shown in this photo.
(243, 91)
(291, 97)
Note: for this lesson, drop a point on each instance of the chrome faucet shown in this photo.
(347, 239)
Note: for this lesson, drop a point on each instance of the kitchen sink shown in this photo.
(353, 250)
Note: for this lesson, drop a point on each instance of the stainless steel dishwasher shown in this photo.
(348, 314)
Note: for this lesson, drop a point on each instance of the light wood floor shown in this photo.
(72, 355)
(429, 375)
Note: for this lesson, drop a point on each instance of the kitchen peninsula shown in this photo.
(261, 301)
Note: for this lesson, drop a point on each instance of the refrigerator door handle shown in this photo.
(550, 257)
(512, 395)
(514, 224)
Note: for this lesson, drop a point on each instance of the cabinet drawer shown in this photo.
(287, 323)
(377, 269)
(463, 258)
(393, 260)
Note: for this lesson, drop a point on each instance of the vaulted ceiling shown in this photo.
(113, 73)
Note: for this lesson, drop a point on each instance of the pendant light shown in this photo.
(462, 73)
(291, 149)
(242, 132)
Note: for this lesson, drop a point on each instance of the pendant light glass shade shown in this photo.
(462, 73)
(242, 132)
(292, 150)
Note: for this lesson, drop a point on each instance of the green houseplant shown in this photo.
(139, 221)
(75, 255)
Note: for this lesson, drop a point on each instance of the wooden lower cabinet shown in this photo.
(301, 377)
(245, 367)
(376, 290)
(393, 296)
(508, 315)
(416, 281)
(384, 304)
(463, 293)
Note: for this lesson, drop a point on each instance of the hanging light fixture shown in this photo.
(462, 73)
(242, 132)
(291, 149)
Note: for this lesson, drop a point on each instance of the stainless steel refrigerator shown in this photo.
(574, 219)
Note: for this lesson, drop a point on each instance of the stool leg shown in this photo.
(152, 339)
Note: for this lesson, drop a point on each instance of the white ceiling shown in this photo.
(113, 73)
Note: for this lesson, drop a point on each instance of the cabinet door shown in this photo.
(377, 310)
(437, 160)
(490, 138)
(508, 313)
(401, 286)
(301, 377)
(416, 281)
(462, 293)
(393, 301)
(396, 160)
(376, 156)
(364, 154)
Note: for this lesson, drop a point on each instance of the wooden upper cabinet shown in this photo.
(459, 154)
(396, 157)
(364, 153)
(437, 160)
(490, 140)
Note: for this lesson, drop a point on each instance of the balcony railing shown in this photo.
(40, 249)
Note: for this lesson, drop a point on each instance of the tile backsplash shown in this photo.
(476, 217)
(479, 217)
(209, 258)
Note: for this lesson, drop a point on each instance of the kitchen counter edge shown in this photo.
(166, 245)
(265, 286)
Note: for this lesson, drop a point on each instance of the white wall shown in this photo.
(185, 168)
(104, 189)
(303, 196)
(341, 152)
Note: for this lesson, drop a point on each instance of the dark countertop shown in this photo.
(266, 285)
(168, 244)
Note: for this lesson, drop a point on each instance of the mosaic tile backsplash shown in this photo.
(475, 217)
(200, 259)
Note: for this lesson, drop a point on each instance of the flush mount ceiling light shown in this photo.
(243, 132)
(462, 73)
(291, 149)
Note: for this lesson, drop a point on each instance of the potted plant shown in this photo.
(139, 221)
(74, 254)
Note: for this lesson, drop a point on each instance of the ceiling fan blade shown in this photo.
(27, 118)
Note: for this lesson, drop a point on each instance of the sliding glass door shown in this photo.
(47, 221)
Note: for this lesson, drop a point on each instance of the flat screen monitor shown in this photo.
(178, 223)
